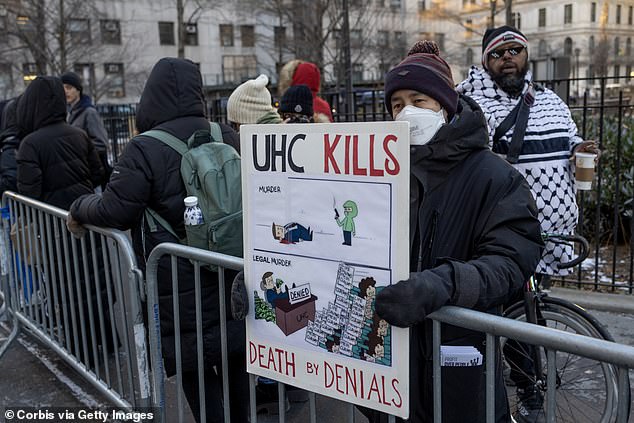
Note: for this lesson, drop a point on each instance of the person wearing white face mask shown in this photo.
(474, 235)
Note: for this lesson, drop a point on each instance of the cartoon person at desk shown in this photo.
(272, 290)
(350, 211)
(291, 233)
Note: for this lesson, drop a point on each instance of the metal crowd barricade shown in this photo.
(494, 326)
(554, 340)
(80, 297)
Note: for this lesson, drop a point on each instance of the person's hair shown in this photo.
(365, 284)
(264, 276)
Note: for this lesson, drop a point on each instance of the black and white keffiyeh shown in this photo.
(550, 137)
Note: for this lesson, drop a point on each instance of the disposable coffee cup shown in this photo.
(584, 170)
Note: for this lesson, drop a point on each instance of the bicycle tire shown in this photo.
(587, 390)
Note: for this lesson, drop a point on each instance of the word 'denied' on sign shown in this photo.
(299, 294)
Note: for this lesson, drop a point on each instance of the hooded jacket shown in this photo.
(9, 143)
(56, 162)
(473, 230)
(83, 115)
(298, 72)
(147, 175)
(550, 138)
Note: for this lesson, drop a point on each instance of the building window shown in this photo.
(395, 4)
(422, 6)
(383, 39)
(166, 33)
(617, 46)
(357, 72)
(3, 28)
(469, 57)
(516, 20)
(110, 32)
(399, 39)
(6, 79)
(29, 72)
(568, 13)
(542, 49)
(568, 46)
(355, 38)
(628, 47)
(279, 35)
(226, 35)
(236, 69)
(593, 12)
(191, 34)
(628, 72)
(617, 71)
(591, 45)
(79, 31)
(630, 12)
(542, 18)
(114, 80)
(24, 23)
(87, 73)
(618, 13)
(247, 35)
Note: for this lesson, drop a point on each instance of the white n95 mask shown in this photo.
(423, 123)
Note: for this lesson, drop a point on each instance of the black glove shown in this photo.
(407, 303)
(239, 298)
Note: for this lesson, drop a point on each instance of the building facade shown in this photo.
(114, 43)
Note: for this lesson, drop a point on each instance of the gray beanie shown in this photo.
(250, 101)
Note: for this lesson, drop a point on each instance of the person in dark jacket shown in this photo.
(56, 162)
(474, 235)
(147, 175)
(83, 114)
(9, 143)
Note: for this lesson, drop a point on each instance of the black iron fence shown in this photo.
(604, 111)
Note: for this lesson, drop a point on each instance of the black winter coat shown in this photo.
(480, 240)
(147, 175)
(9, 143)
(56, 162)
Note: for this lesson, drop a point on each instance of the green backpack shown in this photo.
(211, 171)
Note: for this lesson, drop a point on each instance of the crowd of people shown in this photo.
(487, 178)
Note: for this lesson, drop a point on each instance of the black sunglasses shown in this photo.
(513, 51)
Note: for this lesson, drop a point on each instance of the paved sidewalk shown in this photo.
(616, 303)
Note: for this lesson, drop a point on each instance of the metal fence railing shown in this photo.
(80, 297)
(553, 340)
(603, 109)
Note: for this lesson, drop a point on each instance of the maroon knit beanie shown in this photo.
(425, 72)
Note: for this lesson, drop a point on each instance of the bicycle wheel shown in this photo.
(587, 390)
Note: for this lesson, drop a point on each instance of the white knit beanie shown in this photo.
(250, 101)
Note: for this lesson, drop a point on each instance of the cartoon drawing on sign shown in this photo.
(376, 350)
(367, 290)
(349, 325)
(272, 289)
(291, 233)
(291, 309)
(350, 211)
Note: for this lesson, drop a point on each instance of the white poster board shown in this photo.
(326, 218)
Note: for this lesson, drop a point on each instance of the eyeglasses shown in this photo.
(513, 51)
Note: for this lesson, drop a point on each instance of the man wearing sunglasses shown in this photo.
(533, 129)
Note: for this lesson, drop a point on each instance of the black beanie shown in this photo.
(427, 73)
(71, 78)
(297, 99)
(496, 37)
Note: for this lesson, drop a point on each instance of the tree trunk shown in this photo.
(509, 12)
(180, 28)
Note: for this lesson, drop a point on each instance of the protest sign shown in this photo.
(326, 216)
